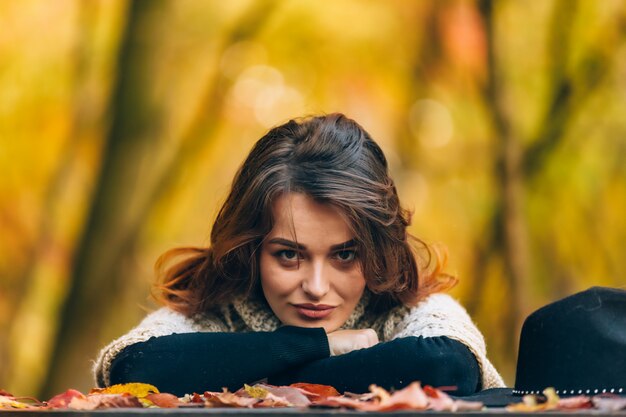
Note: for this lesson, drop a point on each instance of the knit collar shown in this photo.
(259, 317)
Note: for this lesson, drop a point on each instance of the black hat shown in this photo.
(577, 345)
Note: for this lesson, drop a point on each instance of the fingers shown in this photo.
(344, 341)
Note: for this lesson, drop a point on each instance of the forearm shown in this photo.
(196, 362)
(435, 361)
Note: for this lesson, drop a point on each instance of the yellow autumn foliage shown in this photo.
(138, 389)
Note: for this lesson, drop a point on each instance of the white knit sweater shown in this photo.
(437, 315)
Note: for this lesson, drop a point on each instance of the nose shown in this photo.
(316, 283)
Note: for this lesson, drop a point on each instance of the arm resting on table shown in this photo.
(198, 362)
(435, 361)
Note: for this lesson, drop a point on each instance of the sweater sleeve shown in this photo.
(435, 361)
(440, 315)
(198, 362)
(162, 322)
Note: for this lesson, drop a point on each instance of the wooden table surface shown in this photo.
(289, 412)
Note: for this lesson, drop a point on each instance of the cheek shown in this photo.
(352, 286)
(263, 267)
(267, 274)
(273, 279)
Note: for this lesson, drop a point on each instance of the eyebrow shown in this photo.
(291, 244)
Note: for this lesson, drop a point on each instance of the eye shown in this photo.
(346, 255)
(287, 255)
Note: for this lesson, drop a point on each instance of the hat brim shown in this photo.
(493, 397)
(501, 397)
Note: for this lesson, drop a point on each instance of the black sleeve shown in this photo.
(435, 361)
(198, 362)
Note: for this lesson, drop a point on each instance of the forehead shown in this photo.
(297, 215)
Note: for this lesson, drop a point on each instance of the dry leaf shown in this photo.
(316, 391)
(343, 402)
(63, 400)
(379, 394)
(411, 397)
(255, 392)
(99, 401)
(289, 395)
(8, 402)
(138, 389)
(227, 399)
(164, 400)
(609, 403)
(532, 403)
(575, 403)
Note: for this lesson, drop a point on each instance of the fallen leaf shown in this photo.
(164, 400)
(293, 396)
(255, 392)
(99, 401)
(272, 400)
(438, 400)
(412, 397)
(138, 389)
(343, 402)
(379, 394)
(532, 403)
(8, 402)
(228, 399)
(62, 400)
(316, 391)
(575, 403)
(609, 403)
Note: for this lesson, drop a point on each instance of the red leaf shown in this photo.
(63, 400)
(316, 391)
(197, 398)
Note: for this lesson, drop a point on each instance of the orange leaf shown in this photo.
(316, 391)
(164, 400)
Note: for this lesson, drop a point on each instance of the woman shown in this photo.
(311, 276)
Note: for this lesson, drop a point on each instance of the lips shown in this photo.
(314, 311)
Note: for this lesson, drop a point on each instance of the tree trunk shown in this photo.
(511, 237)
(128, 190)
(94, 287)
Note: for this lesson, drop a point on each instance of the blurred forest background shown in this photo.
(123, 122)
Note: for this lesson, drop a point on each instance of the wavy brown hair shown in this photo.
(333, 160)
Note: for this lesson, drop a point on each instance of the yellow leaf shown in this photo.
(256, 392)
(137, 389)
(552, 399)
(7, 402)
(147, 403)
(530, 404)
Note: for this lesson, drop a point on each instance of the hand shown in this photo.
(344, 341)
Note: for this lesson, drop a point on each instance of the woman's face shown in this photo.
(316, 281)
